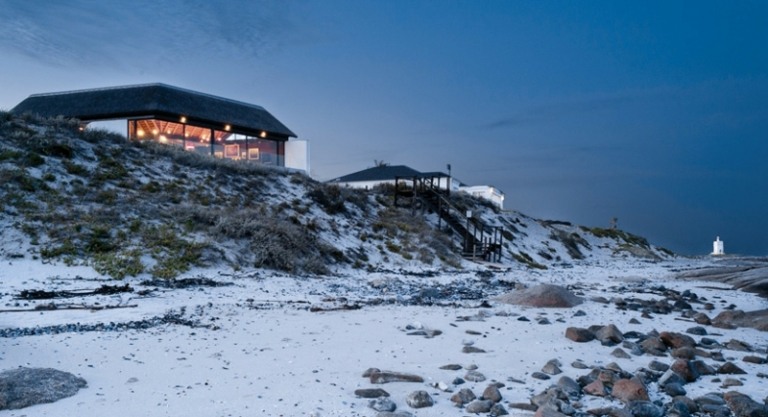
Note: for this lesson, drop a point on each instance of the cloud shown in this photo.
(554, 111)
(143, 33)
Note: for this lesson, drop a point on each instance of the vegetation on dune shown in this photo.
(92, 197)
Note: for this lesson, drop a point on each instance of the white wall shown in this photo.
(487, 192)
(297, 155)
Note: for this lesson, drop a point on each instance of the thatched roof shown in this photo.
(157, 101)
(387, 173)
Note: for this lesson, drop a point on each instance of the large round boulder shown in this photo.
(23, 387)
(544, 295)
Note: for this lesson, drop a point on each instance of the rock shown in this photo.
(472, 349)
(596, 388)
(620, 353)
(645, 409)
(737, 318)
(442, 386)
(755, 359)
(609, 335)
(682, 368)
(383, 377)
(451, 367)
(382, 404)
(698, 331)
(670, 377)
(427, 333)
(367, 373)
(578, 364)
(579, 335)
(479, 406)
(701, 367)
(609, 411)
(570, 387)
(498, 410)
(394, 414)
(684, 352)
(24, 387)
(654, 346)
(634, 321)
(734, 344)
(371, 393)
(474, 376)
(731, 382)
(712, 398)
(544, 295)
(730, 368)
(658, 366)
(548, 412)
(677, 340)
(628, 390)
(540, 375)
(677, 408)
(419, 399)
(701, 318)
(491, 393)
(552, 367)
(744, 406)
(674, 389)
(464, 396)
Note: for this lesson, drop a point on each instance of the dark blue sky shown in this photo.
(652, 112)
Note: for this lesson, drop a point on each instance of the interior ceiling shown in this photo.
(150, 126)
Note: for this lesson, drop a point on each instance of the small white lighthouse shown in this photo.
(717, 247)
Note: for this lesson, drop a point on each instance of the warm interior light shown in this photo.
(155, 131)
(227, 128)
(163, 138)
(183, 119)
(263, 134)
(140, 133)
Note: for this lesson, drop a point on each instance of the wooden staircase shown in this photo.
(478, 240)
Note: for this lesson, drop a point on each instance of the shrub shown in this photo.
(119, 265)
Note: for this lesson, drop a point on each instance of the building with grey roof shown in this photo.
(192, 120)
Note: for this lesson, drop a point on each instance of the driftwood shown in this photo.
(317, 309)
(47, 295)
(52, 307)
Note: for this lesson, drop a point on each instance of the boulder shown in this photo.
(544, 295)
(382, 404)
(479, 406)
(492, 393)
(579, 335)
(682, 367)
(474, 376)
(730, 368)
(419, 399)
(744, 406)
(371, 393)
(677, 340)
(628, 390)
(464, 396)
(383, 377)
(609, 335)
(24, 387)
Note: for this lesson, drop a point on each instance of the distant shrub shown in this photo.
(617, 234)
(119, 265)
